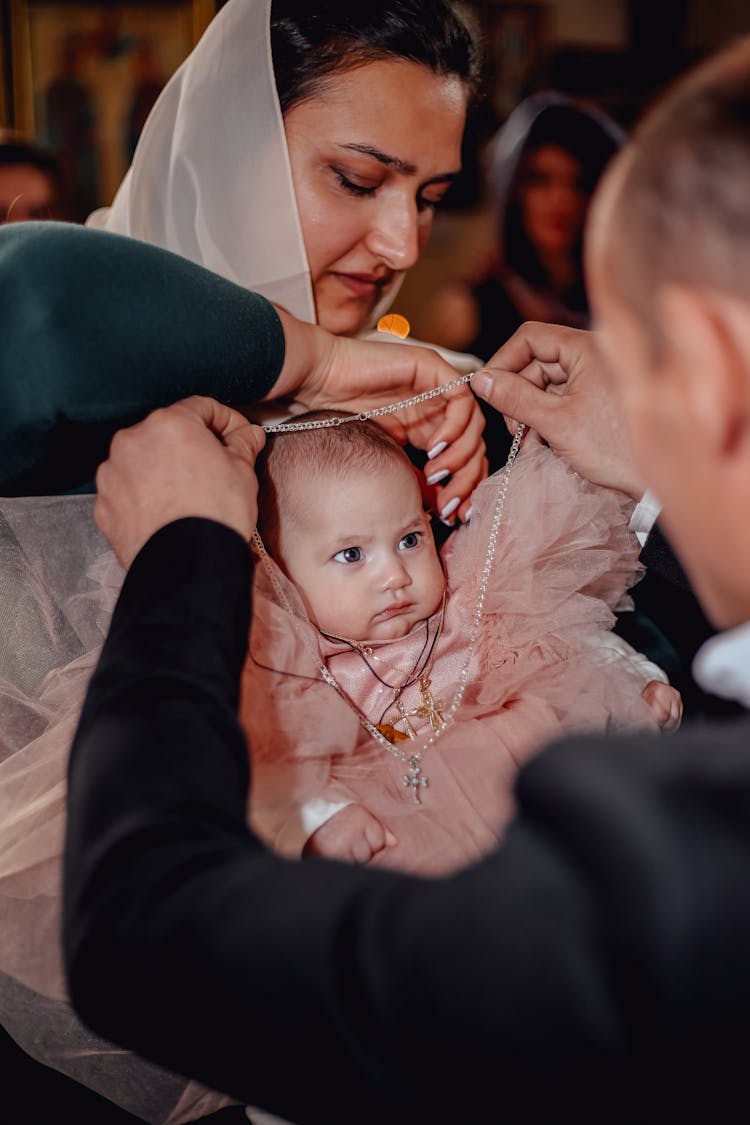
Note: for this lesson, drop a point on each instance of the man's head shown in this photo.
(669, 275)
(340, 510)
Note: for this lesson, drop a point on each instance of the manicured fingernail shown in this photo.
(481, 384)
(450, 508)
(437, 450)
(390, 839)
(441, 475)
(467, 517)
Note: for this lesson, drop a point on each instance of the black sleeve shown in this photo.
(667, 600)
(658, 556)
(97, 330)
(603, 948)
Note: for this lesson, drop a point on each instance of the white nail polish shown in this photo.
(436, 477)
(437, 450)
(450, 508)
(467, 517)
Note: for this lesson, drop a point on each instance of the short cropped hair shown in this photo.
(681, 197)
(331, 452)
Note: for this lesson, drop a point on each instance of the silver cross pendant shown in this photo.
(415, 779)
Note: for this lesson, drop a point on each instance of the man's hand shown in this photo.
(195, 458)
(555, 380)
(325, 372)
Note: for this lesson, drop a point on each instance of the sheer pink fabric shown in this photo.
(58, 584)
(564, 559)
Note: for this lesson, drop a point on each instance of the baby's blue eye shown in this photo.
(349, 555)
(411, 540)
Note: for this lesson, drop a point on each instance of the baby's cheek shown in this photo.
(439, 586)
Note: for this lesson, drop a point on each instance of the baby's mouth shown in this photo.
(393, 610)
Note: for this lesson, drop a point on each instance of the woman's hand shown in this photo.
(325, 372)
(171, 466)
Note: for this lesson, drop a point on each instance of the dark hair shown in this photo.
(589, 138)
(680, 201)
(17, 150)
(584, 132)
(312, 39)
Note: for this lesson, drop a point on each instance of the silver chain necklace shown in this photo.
(367, 415)
(414, 779)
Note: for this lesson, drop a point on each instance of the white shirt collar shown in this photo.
(722, 665)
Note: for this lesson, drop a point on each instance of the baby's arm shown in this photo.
(664, 701)
(351, 834)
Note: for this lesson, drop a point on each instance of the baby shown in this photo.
(362, 647)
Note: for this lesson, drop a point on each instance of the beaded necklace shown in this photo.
(414, 779)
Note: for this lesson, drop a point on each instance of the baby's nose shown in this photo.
(396, 575)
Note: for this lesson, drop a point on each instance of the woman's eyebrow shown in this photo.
(402, 166)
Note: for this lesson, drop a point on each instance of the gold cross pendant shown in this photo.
(428, 708)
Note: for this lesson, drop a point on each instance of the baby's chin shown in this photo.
(397, 627)
(392, 630)
(382, 627)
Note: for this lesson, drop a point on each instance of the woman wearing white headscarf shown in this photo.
(218, 175)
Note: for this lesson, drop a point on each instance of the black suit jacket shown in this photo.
(665, 598)
(597, 964)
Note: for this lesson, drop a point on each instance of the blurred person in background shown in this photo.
(29, 180)
(543, 166)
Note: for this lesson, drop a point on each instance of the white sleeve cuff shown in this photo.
(645, 516)
(300, 827)
(611, 647)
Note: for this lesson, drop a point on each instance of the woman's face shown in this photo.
(372, 154)
(553, 202)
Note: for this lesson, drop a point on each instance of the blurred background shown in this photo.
(78, 79)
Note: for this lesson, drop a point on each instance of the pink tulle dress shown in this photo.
(545, 664)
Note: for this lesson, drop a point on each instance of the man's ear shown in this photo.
(706, 335)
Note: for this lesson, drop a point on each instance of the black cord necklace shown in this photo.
(361, 648)
(420, 672)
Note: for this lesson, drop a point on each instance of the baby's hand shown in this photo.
(352, 834)
(665, 702)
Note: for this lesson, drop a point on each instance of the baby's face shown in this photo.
(360, 551)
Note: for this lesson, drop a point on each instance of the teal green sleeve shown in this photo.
(97, 330)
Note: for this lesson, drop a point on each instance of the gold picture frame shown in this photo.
(81, 77)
